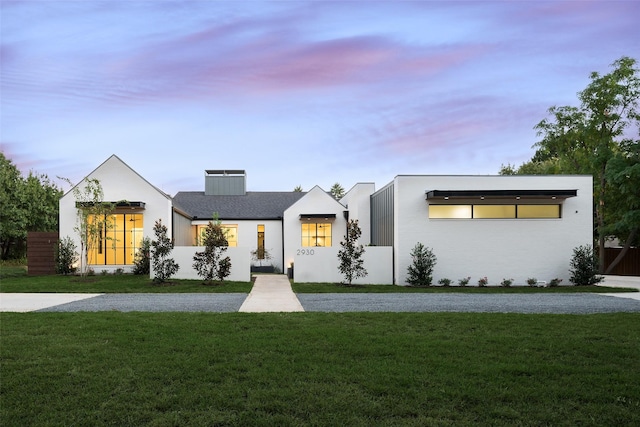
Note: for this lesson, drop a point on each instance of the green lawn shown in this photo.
(238, 369)
(125, 283)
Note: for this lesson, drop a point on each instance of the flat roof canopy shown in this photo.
(500, 194)
(120, 204)
(317, 216)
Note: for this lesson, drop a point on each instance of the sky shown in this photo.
(297, 93)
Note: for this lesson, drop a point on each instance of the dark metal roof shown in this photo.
(252, 205)
(560, 194)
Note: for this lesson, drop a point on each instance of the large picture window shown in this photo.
(119, 239)
(316, 234)
(230, 232)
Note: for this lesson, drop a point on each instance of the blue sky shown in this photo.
(295, 93)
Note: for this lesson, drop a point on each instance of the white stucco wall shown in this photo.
(320, 265)
(240, 263)
(119, 182)
(495, 248)
(316, 201)
(357, 200)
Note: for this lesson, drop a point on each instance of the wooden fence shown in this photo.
(41, 253)
(628, 266)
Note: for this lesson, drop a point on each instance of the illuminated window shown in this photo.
(230, 232)
(316, 234)
(450, 211)
(494, 211)
(538, 211)
(119, 239)
(260, 241)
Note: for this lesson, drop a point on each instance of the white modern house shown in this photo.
(513, 227)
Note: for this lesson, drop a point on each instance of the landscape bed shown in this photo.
(319, 369)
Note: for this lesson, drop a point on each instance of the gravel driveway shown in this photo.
(477, 303)
(500, 303)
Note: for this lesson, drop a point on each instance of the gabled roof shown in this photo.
(115, 158)
(252, 205)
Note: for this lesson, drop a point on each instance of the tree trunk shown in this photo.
(623, 252)
(600, 218)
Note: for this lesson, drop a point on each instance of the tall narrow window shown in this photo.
(316, 234)
(260, 241)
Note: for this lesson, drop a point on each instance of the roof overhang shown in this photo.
(499, 194)
(308, 217)
(121, 204)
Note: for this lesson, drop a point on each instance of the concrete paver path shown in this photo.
(271, 293)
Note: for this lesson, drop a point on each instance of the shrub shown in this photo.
(464, 281)
(66, 256)
(584, 266)
(506, 283)
(421, 270)
(163, 266)
(444, 281)
(532, 281)
(482, 282)
(142, 260)
(554, 282)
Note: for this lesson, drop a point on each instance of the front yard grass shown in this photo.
(356, 369)
(110, 283)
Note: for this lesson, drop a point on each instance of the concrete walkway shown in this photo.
(24, 302)
(271, 293)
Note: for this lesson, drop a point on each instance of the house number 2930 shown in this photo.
(305, 252)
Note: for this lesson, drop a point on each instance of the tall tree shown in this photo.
(585, 139)
(623, 172)
(28, 204)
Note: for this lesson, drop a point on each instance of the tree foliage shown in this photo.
(66, 256)
(142, 259)
(28, 204)
(211, 264)
(584, 266)
(337, 191)
(423, 261)
(593, 138)
(163, 266)
(351, 263)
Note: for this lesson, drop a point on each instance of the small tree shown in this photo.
(93, 220)
(584, 267)
(350, 256)
(420, 272)
(163, 266)
(142, 260)
(210, 264)
(66, 256)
